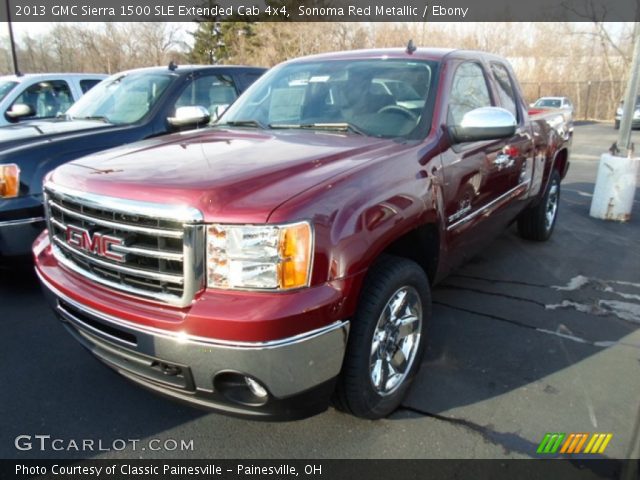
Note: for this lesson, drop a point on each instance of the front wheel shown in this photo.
(387, 339)
(536, 223)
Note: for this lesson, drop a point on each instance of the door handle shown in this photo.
(501, 159)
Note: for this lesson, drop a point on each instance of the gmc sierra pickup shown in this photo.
(285, 256)
(127, 107)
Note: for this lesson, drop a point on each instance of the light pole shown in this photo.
(615, 188)
(13, 43)
(629, 107)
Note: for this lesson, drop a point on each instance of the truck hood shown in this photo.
(234, 175)
(46, 128)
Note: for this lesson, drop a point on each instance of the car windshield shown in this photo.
(5, 87)
(122, 98)
(549, 102)
(361, 96)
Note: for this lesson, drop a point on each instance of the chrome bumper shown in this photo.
(286, 367)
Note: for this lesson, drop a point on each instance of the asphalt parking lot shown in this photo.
(525, 339)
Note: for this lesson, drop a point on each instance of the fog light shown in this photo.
(257, 389)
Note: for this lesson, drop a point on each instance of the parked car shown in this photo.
(125, 108)
(42, 95)
(635, 122)
(286, 255)
(559, 104)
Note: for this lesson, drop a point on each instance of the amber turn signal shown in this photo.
(9, 180)
(295, 252)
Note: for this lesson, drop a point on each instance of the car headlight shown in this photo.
(9, 180)
(261, 257)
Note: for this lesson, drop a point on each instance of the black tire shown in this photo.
(616, 124)
(536, 223)
(386, 280)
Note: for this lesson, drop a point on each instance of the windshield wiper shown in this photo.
(244, 123)
(340, 126)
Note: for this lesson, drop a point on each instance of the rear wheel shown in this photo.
(387, 340)
(536, 223)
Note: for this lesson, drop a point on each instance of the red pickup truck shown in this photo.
(284, 257)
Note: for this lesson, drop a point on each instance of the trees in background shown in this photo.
(94, 47)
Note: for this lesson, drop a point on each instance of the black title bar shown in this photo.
(320, 10)
(578, 469)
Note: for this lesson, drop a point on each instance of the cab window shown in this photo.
(46, 99)
(468, 91)
(506, 92)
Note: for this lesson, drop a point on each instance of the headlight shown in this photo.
(619, 111)
(9, 180)
(263, 257)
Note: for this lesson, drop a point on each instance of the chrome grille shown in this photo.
(161, 247)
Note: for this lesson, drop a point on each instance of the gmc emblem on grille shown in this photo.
(96, 243)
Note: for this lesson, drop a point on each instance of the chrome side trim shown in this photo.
(184, 338)
(488, 206)
(194, 262)
(165, 212)
(22, 221)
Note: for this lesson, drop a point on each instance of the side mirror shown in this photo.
(486, 123)
(190, 116)
(19, 110)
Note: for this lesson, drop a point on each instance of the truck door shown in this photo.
(478, 176)
(518, 154)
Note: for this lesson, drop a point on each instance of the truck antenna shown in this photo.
(411, 47)
(172, 65)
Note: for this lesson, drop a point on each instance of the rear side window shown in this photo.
(46, 99)
(86, 85)
(505, 88)
(468, 92)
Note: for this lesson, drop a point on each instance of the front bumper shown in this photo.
(298, 372)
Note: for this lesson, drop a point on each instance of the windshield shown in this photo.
(122, 98)
(549, 102)
(6, 87)
(362, 96)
